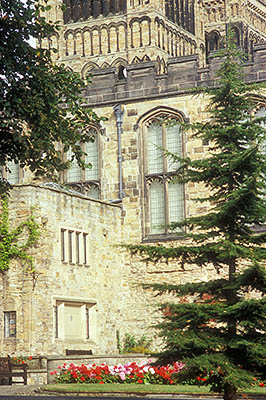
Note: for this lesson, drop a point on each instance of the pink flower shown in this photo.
(122, 376)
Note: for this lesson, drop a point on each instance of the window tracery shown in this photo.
(164, 197)
(86, 181)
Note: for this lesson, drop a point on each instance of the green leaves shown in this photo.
(41, 103)
(15, 243)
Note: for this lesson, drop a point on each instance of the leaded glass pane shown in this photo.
(157, 208)
(174, 145)
(93, 192)
(93, 158)
(176, 202)
(155, 142)
(74, 173)
(13, 173)
(10, 324)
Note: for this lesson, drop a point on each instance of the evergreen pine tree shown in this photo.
(221, 332)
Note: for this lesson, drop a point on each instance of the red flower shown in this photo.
(74, 374)
(30, 358)
(82, 378)
(140, 381)
(101, 382)
(198, 378)
(261, 384)
(203, 379)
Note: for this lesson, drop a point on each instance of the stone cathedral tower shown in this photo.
(105, 33)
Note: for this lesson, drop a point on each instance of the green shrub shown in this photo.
(133, 345)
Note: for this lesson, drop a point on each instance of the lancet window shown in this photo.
(164, 196)
(81, 10)
(86, 181)
(182, 13)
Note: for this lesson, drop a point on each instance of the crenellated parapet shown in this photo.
(182, 74)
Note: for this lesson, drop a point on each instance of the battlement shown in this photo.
(144, 82)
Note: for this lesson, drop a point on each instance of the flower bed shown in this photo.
(141, 373)
(20, 360)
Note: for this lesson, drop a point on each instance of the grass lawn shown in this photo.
(136, 388)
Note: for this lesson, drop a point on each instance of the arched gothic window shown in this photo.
(121, 72)
(214, 41)
(86, 181)
(164, 201)
(236, 36)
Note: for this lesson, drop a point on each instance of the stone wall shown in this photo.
(94, 282)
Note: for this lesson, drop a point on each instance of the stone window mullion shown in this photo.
(83, 170)
(165, 170)
(166, 203)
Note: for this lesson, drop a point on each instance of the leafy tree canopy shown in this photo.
(41, 103)
(218, 328)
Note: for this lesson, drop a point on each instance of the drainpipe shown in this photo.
(119, 113)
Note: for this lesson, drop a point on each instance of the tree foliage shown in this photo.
(219, 331)
(15, 243)
(41, 103)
